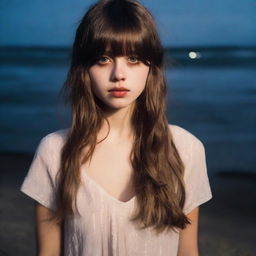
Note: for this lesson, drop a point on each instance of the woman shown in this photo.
(120, 180)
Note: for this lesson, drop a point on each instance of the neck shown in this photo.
(120, 124)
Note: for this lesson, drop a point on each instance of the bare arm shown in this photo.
(48, 233)
(188, 241)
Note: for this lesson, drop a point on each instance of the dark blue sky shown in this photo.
(180, 23)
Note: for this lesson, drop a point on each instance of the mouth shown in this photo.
(118, 89)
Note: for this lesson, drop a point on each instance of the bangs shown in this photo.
(120, 44)
(120, 30)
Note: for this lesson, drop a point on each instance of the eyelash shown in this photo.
(108, 57)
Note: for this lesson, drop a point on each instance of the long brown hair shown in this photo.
(127, 28)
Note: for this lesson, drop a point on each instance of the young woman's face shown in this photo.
(109, 74)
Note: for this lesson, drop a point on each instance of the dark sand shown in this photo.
(227, 225)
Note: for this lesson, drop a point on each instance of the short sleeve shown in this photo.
(196, 180)
(39, 183)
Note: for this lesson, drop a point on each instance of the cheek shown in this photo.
(97, 77)
(93, 74)
(143, 75)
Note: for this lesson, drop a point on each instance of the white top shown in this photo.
(104, 228)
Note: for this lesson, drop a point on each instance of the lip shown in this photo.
(118, 89)
(116, 93)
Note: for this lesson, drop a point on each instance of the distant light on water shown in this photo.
(194, 55)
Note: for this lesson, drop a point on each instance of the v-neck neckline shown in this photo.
(107, 195)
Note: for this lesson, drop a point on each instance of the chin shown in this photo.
(120, 105)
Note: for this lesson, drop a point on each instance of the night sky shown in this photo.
(180, 23)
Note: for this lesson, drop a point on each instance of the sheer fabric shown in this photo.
(104, 228)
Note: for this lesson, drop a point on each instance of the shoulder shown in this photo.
(186, 142)
(50, 145)
(192, 153)
(184, 137)
(54, 138)
(40, 182)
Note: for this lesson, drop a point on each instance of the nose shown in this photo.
(118, 71)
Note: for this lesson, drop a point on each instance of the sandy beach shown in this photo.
(226, 228)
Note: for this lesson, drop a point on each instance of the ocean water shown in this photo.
(213, 97)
